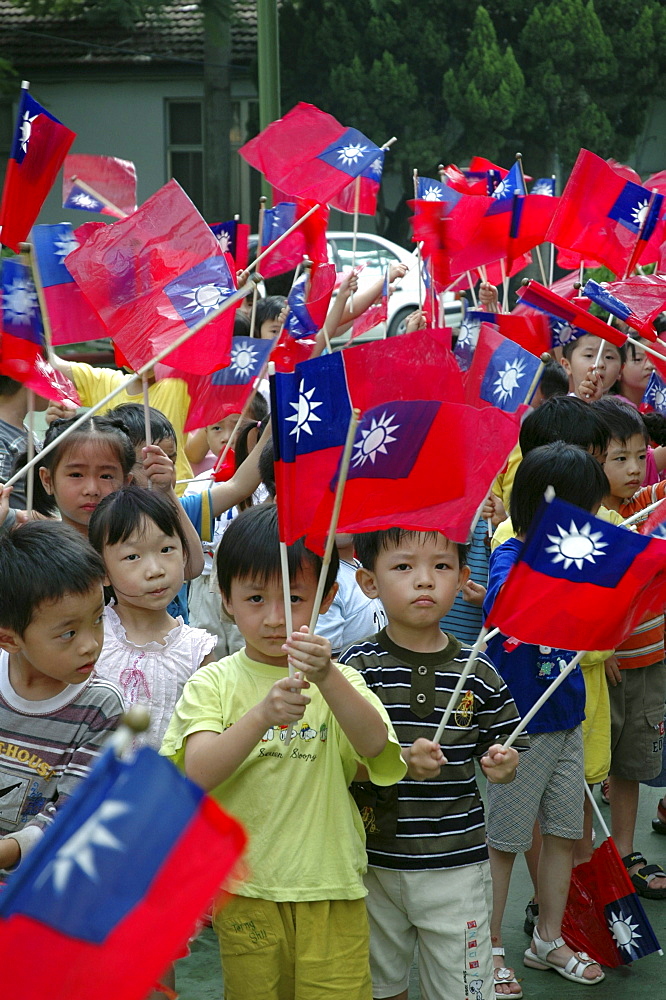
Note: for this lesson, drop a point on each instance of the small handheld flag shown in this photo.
(102, 184)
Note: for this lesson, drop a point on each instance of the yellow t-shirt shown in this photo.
(504, 480)
(306, 835)
(170, 396)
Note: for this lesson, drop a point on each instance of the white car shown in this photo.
(377, 253)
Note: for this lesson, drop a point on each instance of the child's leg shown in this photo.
(392, 935)
(584, 847)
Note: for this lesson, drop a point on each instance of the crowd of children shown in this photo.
(369, 841)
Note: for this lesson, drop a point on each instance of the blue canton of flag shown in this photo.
(201, 290)
(428, 189)
(375, 168)
(631, 208)
(508, 376)
(51, 245)
(247, 359)
(606, 300)
(21, 315)
(573, 545)
(29, 109)
(277, 220)
(299, 321)
(78, 198)
(225, 234)
(468, 335)
(352, 153)
(630, 928)
(389, 438)
(512, 184)
(655, 394)
(544, 185)
(310, 407)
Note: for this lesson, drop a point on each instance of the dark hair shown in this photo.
(9, 386)
(571, 346)
(124, 512)
(241, 325)
(134, 423)
(369, 544)
(554, 381)
(267, 469)
(573, 473)
(564, 418)
(40, 563)
(110, 431)
(268, 308)
(656, 426)
(242, 450)
(622, 420)
(250, 547)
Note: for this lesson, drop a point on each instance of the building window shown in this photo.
(185, 146)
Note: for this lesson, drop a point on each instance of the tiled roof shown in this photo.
(175, 35)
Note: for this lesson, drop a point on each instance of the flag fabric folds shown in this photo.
(137, 855)
(309, 154)
(153, 275)
(111, 178)
(215, 396)
(38, 149)
(428, 189)
(604, 916)
(71, 317)
(308, 301)
(572, 311)
(580, 583)
(22, 344)
(369, 182)
(501, 372)
(233, 237)
(641, 298)
(654, 396)
(308, 240)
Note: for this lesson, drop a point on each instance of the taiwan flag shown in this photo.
(38, 149)
(226, 391)
(509, 186)
(308, 301)
(308, 240)
(309, 154)
(428, 189)
(502, 373)
(155, 274)
(604, 916)
(654, 397)
(22, 344)
(233, 237)
(114, 890)
(544, 186)
(102, 184)
(71, 317)
(580, 583)
(637, 300)
(572, 311)
(368, 183)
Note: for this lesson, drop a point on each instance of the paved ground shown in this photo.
(199, 978)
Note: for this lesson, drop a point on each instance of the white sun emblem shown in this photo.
(377, 166)
(374, 440)
(64, 246)
(305, 408)
(574, 546)
(431, 193)
(352, 153)
(83, 200)
(26, 129)
(564, 332)
(639, 213)
(224, 239)
(659, 399)
(19, 301)
(79, 849)
(243, 359)
(206, 297)
(509, 379)
(624, 931)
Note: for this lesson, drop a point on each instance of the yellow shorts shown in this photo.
(294, 951)
(596, 725)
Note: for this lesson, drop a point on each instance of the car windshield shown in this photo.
(374, 256)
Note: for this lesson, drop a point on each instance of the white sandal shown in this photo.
(505, 977)
(573, 970)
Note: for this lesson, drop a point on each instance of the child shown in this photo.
(13, 432)
(270, 316)
(352, 616)
(549, 784)
(148, 654)
(428, 877)
(587, 378)
(54, 712)
(297, 927)
(210, 440)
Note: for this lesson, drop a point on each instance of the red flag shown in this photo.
(530, 330)
(573, 312)
(657, 182)
(501, 374)
(606, 217)
(153, 275)
(309, 240)
(645, 296)
(368, 183)
(113, 179)
(38, 149)
(309, 154)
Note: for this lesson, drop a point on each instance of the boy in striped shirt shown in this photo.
(428, 873)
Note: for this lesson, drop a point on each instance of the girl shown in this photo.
(93, 461)
(146, 652)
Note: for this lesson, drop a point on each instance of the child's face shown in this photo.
(270, 328)
(258, 610)
(85, 474)
(416, 581)
(637, 369)
(625, 466)
(62, 642)
(584, 356)
(219, 433)
(147, 569)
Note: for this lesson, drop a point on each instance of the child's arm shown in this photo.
(359, 720)
(499, 765)
(424, 759)
(211, 758)
(10, 852)
(161, 473)
(244, 481)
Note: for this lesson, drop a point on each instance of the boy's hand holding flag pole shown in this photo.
(484, 636)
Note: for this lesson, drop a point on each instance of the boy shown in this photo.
(550, 782)
(587, 379)
(297, 927)
(54, 713)
(428, 877)
(637, 674)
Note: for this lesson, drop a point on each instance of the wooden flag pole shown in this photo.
(30, 484)
(545, 358)
(100, 197)
(76, 423)
(472, 289)
(415, 178)
(641, 513)
(505, 286)
(602, 345)
(483, 636)
(540, 702)
(145, 386)
(551, 267)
